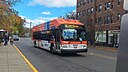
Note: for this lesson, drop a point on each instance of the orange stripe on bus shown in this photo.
(70, 42)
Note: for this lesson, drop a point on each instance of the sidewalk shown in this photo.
(104, 48)
(12, 61)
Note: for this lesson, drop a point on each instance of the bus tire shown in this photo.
(61, 53)
(35, 44)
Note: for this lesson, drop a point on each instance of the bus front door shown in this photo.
(57, 39)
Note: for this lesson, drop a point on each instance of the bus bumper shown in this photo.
(73, 50)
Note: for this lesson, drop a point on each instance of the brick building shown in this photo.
(102, 19)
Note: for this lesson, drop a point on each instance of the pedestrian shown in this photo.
(11, 40)
(6, 39)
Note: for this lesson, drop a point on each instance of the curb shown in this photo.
(28, 62)
(105, 49)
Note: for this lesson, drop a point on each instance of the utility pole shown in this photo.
(94, 40)
(30, 29)
(12, 27)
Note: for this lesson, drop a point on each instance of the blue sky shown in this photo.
(39, 11)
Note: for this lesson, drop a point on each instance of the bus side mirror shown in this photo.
(80, 39)
(125, 6)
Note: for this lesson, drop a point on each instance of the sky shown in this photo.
(40, 11)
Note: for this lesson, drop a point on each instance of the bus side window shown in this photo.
(52, 35)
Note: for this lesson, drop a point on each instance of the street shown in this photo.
(44, 61)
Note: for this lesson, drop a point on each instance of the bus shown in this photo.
(60, 36)
(2, 33)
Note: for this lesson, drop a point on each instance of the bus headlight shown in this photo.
(84, 45)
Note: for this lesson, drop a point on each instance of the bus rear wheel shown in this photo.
(61, 53)
(51, 49)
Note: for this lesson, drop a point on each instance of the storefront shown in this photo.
(107, 38)
(113, 38)
(100, 38)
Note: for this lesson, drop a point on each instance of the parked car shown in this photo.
(16, 38)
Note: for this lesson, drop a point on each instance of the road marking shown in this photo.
(103, 56)
(28, 62)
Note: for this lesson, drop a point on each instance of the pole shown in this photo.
(30, 29)
(94, 40)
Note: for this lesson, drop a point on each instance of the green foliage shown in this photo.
(69, 15)
(9, 19)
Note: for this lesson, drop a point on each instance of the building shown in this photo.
(102, 19)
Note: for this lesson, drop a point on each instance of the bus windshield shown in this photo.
(73, 35)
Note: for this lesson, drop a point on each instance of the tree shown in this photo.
(69, 15)
(9, 19)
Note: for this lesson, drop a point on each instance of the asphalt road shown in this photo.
(44, 61)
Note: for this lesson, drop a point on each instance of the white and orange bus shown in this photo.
(61, 36)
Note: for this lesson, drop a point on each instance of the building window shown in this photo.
(92, 0)
(118, 2)
(108, 5)
(88, 10)
(105, 6)
(78, 4)
(92, 9)
(95, 8)
(111, 5)
(96, 20)
(109, 19)
(118, 16)
(84, 2)
(100, 7)
(81, 2)
(88, 1)
(78, 14)
(105, 20)
(84, 12)
(100, 20)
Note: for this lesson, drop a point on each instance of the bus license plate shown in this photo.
(75, 47)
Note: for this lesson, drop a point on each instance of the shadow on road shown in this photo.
(71, 55)
(63, 55)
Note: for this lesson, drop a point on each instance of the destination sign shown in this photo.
(71, 26)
